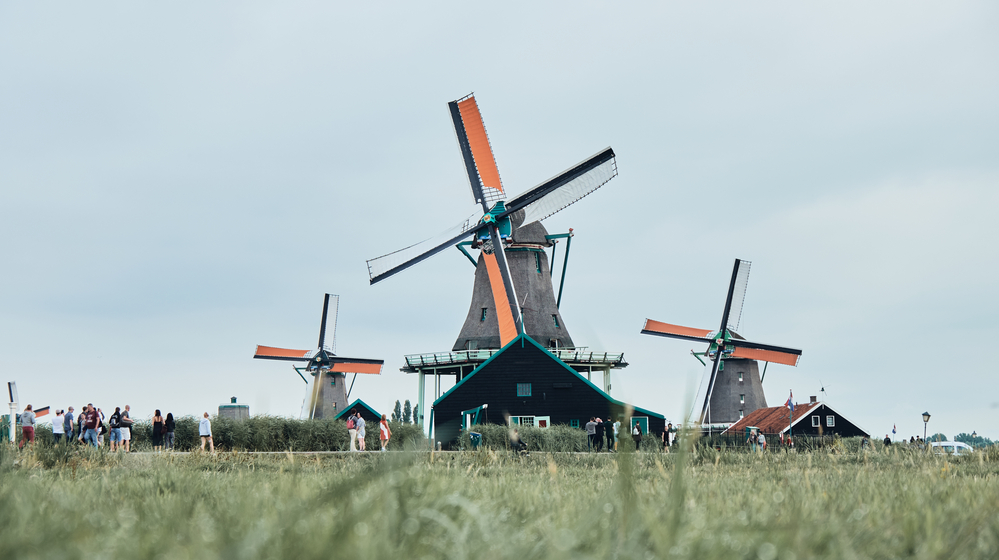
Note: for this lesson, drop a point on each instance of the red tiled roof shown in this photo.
(770, 420)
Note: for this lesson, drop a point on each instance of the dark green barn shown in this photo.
(528, 385)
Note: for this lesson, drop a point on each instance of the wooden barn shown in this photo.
(371, 416)
(814, 418)
(526, 384)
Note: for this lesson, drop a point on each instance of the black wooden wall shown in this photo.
(843, 427)
(556, 391)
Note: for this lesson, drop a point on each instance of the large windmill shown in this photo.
(327, 393)
(506, 301)
(512, 294)
(726, 393)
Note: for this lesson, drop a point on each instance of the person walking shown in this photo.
(102, 428)
(352, 429)
(359, 421)
(67, 425)
(81, 423)
(27, 427)
(384, 432)
(170, 426)
(617, 432)
(114, 422)
(158, 432)
(91, 425)
(636, 434)
(611, 430)
(762, 441)
(598, 441)
(58, 427)
(126, 428)
(888, 441)
(205, 431)
(591, 433)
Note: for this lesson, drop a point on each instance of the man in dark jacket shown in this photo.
(601, 434)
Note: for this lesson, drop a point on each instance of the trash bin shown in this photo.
(476, 439)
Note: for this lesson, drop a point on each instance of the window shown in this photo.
(740, 377)
(555, 320)
(526, 420)
(484, 311)
(537, 261)
(815, 422)
(741, 414)
(574, 423)
(830, 421)
(523, 389)
(742, 399)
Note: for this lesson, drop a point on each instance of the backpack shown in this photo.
(351, 424)
(115, 421)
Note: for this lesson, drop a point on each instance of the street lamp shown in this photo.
(974, 436)
(926, 418)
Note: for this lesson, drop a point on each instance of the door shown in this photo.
(642, 421)
(542, 421)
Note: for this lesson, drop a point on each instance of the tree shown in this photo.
(397, 412)
(407, 412)
(938, 437)
(416, 414)
(976, 441)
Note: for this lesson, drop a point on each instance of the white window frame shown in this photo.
(816, 421)
(830, 421)
(523, 421)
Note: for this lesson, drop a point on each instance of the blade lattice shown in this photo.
(329, 339)
(473, 137)
(575, 186)
(379, 266)
(739, 295)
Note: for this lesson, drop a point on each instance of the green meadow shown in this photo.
(69, 503)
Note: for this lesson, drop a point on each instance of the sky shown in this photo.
(181, 182)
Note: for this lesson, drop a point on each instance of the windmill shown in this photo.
(496, 315)
(725, 393)
(327, 392)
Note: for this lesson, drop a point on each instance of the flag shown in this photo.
(789, 404)
(41, 412)
(893, 428)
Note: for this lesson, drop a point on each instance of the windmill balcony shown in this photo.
(579, 356)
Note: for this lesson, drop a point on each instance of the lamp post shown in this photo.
(926, 419)
(974, 436)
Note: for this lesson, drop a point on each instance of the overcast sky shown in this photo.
(180, 182)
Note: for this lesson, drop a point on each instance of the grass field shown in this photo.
(489, 504)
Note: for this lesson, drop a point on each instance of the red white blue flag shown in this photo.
(789, 404)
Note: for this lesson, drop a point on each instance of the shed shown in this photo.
(813, 418)
(370, 415)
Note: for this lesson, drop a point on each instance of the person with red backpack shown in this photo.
(352, 429)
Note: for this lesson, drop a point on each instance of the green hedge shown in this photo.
(265, 433)
(557, 438)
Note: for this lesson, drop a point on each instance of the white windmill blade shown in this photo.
(329, 337)
(307, 400)
(739, 295)
(386, 265)
(702, 393)
(566, 188)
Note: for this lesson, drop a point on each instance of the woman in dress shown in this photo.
(384, 433)
(170, 426)
(157, 431)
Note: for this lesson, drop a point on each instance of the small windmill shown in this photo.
(327, 394)
(493, 231)
(725, 343)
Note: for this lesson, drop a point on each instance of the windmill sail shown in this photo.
(380, 268)
(480, 164)
(327, 336)
(739, 294)
(566, 188)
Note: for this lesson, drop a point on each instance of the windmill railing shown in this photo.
(569, 355)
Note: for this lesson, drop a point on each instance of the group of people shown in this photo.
(603, 434)
(91, 427)
(356, 429)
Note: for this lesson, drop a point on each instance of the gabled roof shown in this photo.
(771, 420)
(524, 337)
(355, 404)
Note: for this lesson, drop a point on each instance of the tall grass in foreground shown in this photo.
(487, 504)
